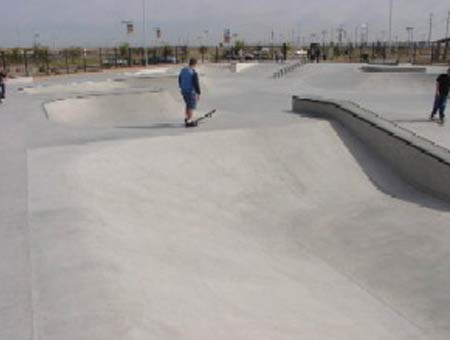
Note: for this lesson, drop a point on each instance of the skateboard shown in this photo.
(195, 122)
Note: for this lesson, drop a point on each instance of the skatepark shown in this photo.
(264, 222)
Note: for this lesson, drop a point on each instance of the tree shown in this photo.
(167, 51)
(16, 56)
(73, 53)
(239, 45)
(123, 50)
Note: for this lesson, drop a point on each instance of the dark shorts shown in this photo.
(190, 99)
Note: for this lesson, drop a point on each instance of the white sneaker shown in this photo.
(2, 100)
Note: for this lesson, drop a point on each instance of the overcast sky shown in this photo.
(98, 22)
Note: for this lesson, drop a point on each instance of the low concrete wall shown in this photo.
(416, 159)
(384, 62)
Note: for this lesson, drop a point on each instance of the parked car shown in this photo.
(249, 56)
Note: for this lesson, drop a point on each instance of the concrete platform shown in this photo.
(259, 224)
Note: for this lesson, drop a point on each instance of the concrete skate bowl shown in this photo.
(274, 233)
(145, 109)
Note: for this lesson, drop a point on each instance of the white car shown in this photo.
(301, 52)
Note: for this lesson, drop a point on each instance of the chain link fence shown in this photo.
(44, 61)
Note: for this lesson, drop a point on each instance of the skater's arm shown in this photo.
(438, 85)
(197, 84)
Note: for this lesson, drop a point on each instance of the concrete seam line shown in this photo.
(31, 280)
(376, 297)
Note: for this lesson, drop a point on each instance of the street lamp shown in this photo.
(364, 27)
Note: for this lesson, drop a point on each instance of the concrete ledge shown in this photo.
(418, 160)
(384, 62)
(393, 69)
(239, 67)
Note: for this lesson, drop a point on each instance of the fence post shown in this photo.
(25, 59)
(415, 53)
(446, 51)
(115, 57)
(100, 58)
(129, 57)
(47, 61)
(66, 58)
(84, 60)
(4, 60)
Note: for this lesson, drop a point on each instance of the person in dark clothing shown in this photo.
(189, 83)
(440, 101)
(317, 56)
(3, 76)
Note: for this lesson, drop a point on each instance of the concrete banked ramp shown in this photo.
(268, 233)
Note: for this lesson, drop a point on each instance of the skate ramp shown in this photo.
(280, 233)
(117, 110)
(333, 79)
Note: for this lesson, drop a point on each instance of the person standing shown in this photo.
(189, 83)
(440, 100)
(3, 76)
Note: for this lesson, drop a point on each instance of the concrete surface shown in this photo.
(259, 224)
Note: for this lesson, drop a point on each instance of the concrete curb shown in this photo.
(287, 69)
(419, 161)
(393, 69)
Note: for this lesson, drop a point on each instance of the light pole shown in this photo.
(365, 37)
(36, 37)
(448, 26)
(410, 31)
(356, 34)
(129, 26)
(144, 19)
(324, 35)
(430, 30)
(391, 6)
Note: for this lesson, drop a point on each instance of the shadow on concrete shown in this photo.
(384, 177)
(154, 126)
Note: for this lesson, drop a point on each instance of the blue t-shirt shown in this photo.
(188, 80)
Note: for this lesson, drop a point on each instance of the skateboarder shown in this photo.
(190, 90)
(442, 90)
(2, 86)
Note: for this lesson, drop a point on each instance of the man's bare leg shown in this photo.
(189, 114)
